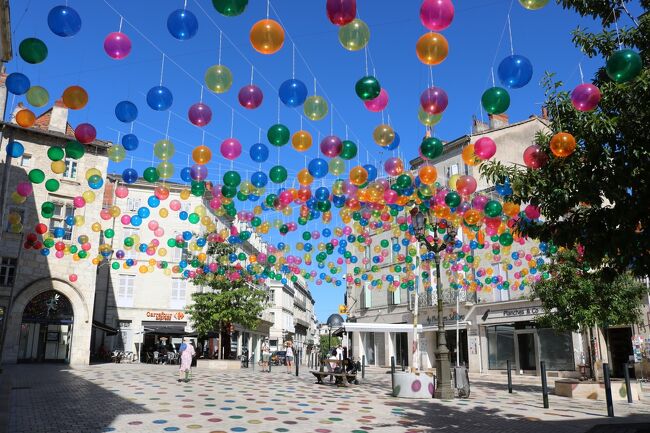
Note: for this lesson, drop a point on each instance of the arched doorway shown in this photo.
(46, 329)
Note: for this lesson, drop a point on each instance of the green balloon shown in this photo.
(452, 199)
(278, 135)
(241, 196)
(306, 236)
(73, 249)
(228, 191)
(193, 218)
(38, 96)
(52, 185)
(492, 209)
(55, 153)
(47, 209)
(324, 206)
(256, 222)
(150, 174)
(116, 153)
(533, 4)
(367, 88)
(109, 233)
(278, 174)
(336, 166)
(82, 254)
(115, 265)
(403, 181)
(231, 212)
(624, 65)
(284, 229)
(315, 107)
(431, 147)
(218, 78)
(128, 241)
(505, 239)
(230, 8)
(171, 242)
(49, 243)
(198, 188)
(270, 199)
(163, 149)
(428, 119)
(165, 169)
(495, 100)
(36, 175)
(355, 35)
(74, 150)
(349, 150)
(231, 178)
(32, 50)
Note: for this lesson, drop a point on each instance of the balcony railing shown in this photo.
(429, 299)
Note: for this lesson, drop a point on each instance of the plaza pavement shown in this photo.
(146, 398)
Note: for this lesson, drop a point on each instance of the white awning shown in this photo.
(379, 327)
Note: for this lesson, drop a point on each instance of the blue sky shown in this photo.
(478, 40)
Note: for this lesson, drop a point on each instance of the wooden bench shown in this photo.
(341, 378)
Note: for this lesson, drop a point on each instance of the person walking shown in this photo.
(289, 356)
(266, 358)
(187, 353)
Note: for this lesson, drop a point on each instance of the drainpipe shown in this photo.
(108, 277)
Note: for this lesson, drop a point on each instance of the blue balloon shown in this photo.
(394, 144)
(182, 24)
(186, 174)
(322, 194)
(95, 182)
(64, 21)
(144, 212)
(17, 83)
(130, 142)
(293, 92)
(160, 98)
(338, 201)
(187, 235)
(136, 220)
(129, 175)
(153, 201)
(515, 71)
(15, 149)
(58, 232)
(372, 172)
(69, 220)
(318, 168)
(126, 111)
(45, 252)
(259, 152)
(259, 179)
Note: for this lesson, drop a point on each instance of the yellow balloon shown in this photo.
(200, 210)
(358, 175)
(315, 107)
(383, 135)
(163, 212)
(17, 198)
(115, 211)
(267, 36)
(96, 227)
(355, 35)
(88, 196)
(185, 194)
(304, 177)
(58, 167)
(93, 172)
(79, 220)
(432, 48)
(452, 181)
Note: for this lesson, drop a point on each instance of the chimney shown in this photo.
(499, 120)
(478, 126)
(58, 117)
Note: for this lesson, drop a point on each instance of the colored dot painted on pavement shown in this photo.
(282, 412)
(281, 429)
(108, 429)
(238, 429)
(171, 429)
(254, 421)
(323, 430)
(206, 413)
(241, 407)
(135, 423)
(266, 408)
(235, 417)
(359, 431)
(225, 408)
(215, 419)
(336, 419)
(194, 426)
(160, 421)
(290, 422)
(229, 401)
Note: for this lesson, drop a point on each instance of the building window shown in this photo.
(556, 349)
(500, 294)
(8, 271)
(26, 160)
(501, 346)
(366, 296)
(62, 210)
(132, 252)
(70, 169)
(394, 296)
(125, 290)
(394, 249)
(179, 291)
(454, 169)
(133, 204)
(367, 256)
(16, 210)
(272, 297)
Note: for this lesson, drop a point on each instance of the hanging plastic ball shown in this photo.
(201, 154)
(533, 4)
(165, 169)
(341, 12)
(394, 166)
(432, 48)
(17, 83)
(431, 147)
(466, 185)
(267, 36)
(126, 111)
(293, 92)
(117, 45)
(129, 176)
(436, 15)
(515, 71)
(383, 135)
(624, 65)
(52, 185)
(75, 97)
(36, 175)
(278, 135)
(336, 166)
(301, 141)
(315, 107)
(15, 149)
(64, 21)
(278, 174)
(38, 96)
(259, 179)
(25, 118)
(495, 100)
(585, 97)
(259, 152)
(57, 167)
(318, 167)
(534, 157)
(32, 50)
(163, 149)
(434, 100)
(218, 78)
(250, 97)
(428, 174)
(348, 150)
(230, 148)
(331, 146)
(182, 24)
(377, 104)
(230, 8)
(160, 98)
(130, 142)
(150, 174)
(116, 153)
(199, 114)
(358, 175)
(198, 172)
(485, 148)
(74, 150)
(355, 35)
(428, 119)
(367, 88)
(562, 144)
(85, 133)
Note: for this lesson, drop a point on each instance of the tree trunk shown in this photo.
(590, 353)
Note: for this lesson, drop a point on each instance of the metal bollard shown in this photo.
(403, 366)
(392, 374)
(509, 366)
(297, 365)
(626, 369)
(253, 361)
(363, 367)
(542, 367)
(270, 363)
(608, 390)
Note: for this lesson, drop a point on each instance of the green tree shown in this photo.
(328, 342)
(596, 198)
(229, 296)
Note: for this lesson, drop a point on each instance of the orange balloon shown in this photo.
(301, 141)
(469, 157)
(304, 178)
(563, 144)
(358, 175)
(428, 174)
(267, 36)
(25, 118)
(202, 154)
(75, 97)
(472, 216)
(510, 209)
(432, 48)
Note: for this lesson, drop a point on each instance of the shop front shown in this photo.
(162, 331)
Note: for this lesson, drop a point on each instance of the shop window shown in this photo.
(501, 346)
(70, 169)
(366, 296)
(556, 349)
(8, 271)
(126, 284)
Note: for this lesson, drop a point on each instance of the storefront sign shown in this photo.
(528, 311)
(163, 316)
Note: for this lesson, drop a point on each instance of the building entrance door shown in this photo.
(620, 350)
(401, 348)
(525, 351)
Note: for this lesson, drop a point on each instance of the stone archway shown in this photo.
(80, 342)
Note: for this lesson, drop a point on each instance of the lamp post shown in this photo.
(332, 321)
(443, 367)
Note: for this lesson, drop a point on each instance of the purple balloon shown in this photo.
(379, 103)
(117, 45)
(341, 12)
(436, 15)
(230, 148)
(250, 97)
(434, 100)
(198, 172)
(585, 97)
(200, 114)
(331, 146)
(479, 202)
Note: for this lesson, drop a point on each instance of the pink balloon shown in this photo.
(105, 214)
(532, 212)
(121, 191)
(175, 205)
(85, 133)
(200, 114)
(73, 277)
(479, 202)
(379, 103)
(153, 225)
(585, 97)
(341, 12)
(159, 232)
(117, 45)
(78, 202)
(485, 148)
(24, 189)
(466, 185)
(231, 148)
(125, 219)
(534, 157)
(434, 100)
(59, 254)
(215, 203)
(436, 15)
(250, 97)
(394, 166)
(331, 146)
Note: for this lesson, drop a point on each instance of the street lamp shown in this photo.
(443, 366)
(332, 321)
